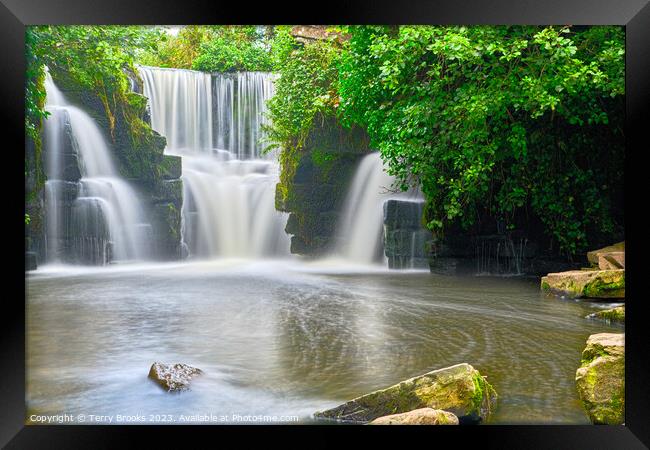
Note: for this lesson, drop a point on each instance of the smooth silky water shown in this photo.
(288, 338)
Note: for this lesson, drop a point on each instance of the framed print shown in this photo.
(284, 225)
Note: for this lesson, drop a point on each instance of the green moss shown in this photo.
(610, 315)
(604, 286)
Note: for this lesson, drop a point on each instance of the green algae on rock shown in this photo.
(458, 389)
(610, 315)
(600, 380)
(586, 283)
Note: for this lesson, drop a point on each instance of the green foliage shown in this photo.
(235, 48)
(213, 48)
(178, 51)
(305, 91)
(95, 57)
(494, 120)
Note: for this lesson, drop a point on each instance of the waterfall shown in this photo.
(92, 214)
(360, 232)
(214, 123)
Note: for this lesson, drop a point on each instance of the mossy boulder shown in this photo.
(600, 380)
(586, 283)
(422, 416)
(593, 256)
(610, 315)
(459, 389)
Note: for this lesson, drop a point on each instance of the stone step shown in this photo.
(613, 260)
(592, 256)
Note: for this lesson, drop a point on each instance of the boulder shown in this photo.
(593, 255)
(610, 315)
(600, 380)
(613, 260)
(586, 283)
(459, 389)
(422, 416)
(173, 377)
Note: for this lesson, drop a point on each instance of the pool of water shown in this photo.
(280, 338)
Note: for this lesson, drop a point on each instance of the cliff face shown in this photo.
(138, 153)
(314, 194)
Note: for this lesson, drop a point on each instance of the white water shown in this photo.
(361, 228)
(213, 122)
(107, 221)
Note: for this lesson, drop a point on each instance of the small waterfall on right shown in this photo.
(360, 232)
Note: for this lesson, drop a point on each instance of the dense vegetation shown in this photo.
(306, 90)
(520, 125)
(214, 48)
(491, 122)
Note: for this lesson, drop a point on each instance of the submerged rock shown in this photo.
(600, 380)
(610, 315)
(422, 416)
(173, 377)
(586, 283)
(459, 389)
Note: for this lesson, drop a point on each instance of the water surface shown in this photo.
(287, 338)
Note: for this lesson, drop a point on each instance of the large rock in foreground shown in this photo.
(459, 389)
(422, 416)
(173, 377)
(601, 378)
(586, 283)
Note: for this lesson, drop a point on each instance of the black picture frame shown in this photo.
(16, 14)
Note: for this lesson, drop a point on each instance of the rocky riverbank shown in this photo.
(604, 279)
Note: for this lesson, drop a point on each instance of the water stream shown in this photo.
(97, 218)
(214, 123)
(361, 228)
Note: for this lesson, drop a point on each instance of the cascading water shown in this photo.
(360, 232)
(92, 215)
(214, 122)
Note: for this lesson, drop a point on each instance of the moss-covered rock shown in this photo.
(610, 315)
(586, 283)
(171, 167)
(600, 380)
(422, 416)
(459, 389)
(314, 181)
